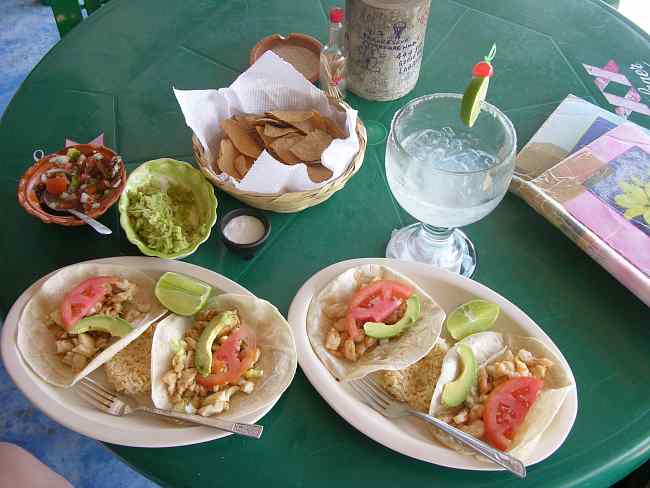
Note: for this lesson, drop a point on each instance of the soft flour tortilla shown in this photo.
(399, 352)
(37, 343)
(489, 347)
(274, 338)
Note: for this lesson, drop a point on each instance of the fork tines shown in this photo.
(372, 393)
(95, 394)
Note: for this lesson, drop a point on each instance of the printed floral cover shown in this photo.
(606, 186)
(587, 171)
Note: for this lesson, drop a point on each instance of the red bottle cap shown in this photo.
(337, 14)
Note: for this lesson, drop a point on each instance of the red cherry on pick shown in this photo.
(482, 69)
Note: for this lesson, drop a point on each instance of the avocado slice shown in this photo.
(455, 393)
(115, 326)
(379, 330)
(203, 353)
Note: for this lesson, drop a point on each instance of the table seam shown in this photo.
(268, 245)
(208, 58)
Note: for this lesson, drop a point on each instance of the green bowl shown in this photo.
(163, 171)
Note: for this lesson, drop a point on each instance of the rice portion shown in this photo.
(415, 384)
(129, 371)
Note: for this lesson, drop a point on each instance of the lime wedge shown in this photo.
(471, 317)
(470, 107)
(181, 294)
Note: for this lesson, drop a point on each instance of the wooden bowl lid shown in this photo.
(300, 50)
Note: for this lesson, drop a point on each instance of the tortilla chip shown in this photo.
(305, 126)
(249, 119)
(246, 122)
(290, 116)
(312, 146)
(265, 139)
(318, 122)
(318, 173)
(241, 138)
(333, 129)
(261, 120)
(274, 131)
(282, 147)
(243, 164)
(227, 156)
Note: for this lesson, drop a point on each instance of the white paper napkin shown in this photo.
(269, 84)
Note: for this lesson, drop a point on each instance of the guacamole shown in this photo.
(163, 218)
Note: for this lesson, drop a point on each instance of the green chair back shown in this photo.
(68, 13)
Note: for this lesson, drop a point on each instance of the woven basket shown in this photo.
(285, 202)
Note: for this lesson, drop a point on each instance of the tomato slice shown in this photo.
(375, 302)
(378, 312)
(232, 359)
(56, 185)
(507, 407)
(77, 302)
(383, 288)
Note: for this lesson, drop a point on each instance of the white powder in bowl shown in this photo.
(244, 229)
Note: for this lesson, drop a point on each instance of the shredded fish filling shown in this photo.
(185, 393)
(77, 350)
(338, 342)
(468, 417)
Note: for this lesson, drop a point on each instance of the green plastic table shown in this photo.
(114, 73)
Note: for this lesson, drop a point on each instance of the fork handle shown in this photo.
(248, 430)
(512, 464)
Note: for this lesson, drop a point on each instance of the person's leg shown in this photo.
(20, 469)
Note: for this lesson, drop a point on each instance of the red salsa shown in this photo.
(80, 179)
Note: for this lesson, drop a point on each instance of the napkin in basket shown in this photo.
(269, 84)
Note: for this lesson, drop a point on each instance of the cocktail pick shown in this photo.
(475, 93)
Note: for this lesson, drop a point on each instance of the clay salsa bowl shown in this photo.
(300, 50)
(28, 198)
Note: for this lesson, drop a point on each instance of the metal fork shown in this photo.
(107, 401)
(373, 395)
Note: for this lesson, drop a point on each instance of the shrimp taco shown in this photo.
(372, 318)
(233, 358)
(501, 388)
(81, 317)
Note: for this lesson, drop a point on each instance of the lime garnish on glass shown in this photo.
(472, 317)
(181, 294)
(476, 91)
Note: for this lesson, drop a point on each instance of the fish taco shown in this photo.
(235, 357)
(372, 318)
(81, 317)
(501, 388)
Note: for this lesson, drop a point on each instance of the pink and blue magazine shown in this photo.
(606, 186)
(588, 172)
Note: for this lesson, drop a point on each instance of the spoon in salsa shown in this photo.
(98, 226)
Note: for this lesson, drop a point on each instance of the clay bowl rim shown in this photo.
(303, 40)
(39, 212)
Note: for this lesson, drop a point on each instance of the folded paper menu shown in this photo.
(271, 84)
(588, 172)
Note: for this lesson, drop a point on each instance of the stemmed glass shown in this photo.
(446, 175)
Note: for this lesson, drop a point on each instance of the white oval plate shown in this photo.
(65, 407)
(407, 435)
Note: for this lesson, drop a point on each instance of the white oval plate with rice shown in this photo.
(65, 407)
(407, 435)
